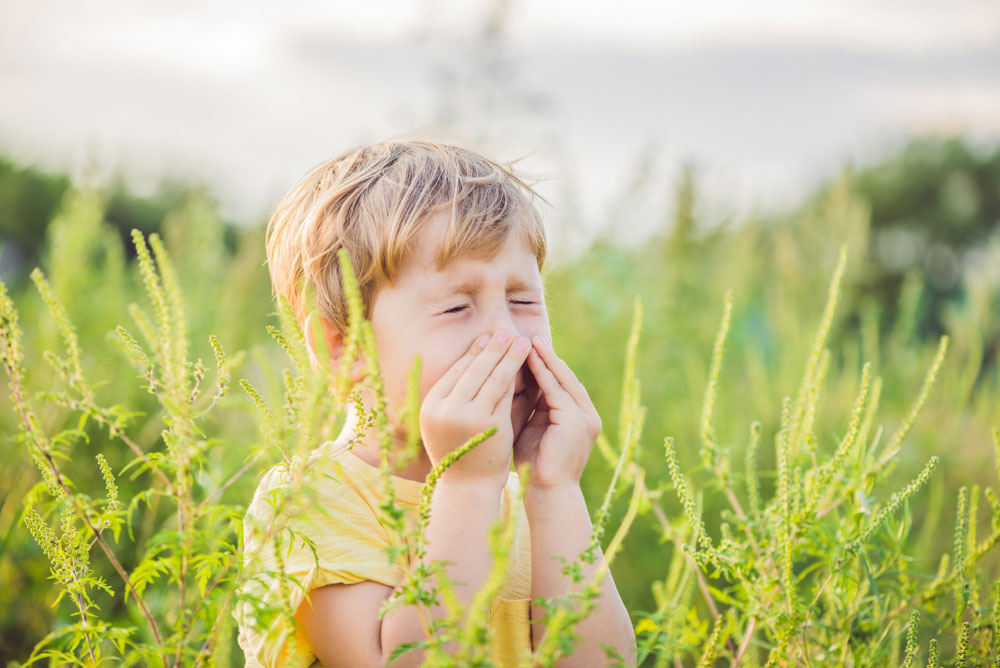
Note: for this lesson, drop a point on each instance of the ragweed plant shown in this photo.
(790, 544)
(195, 570)
(817, 575)
(181, 563)
(196, 554)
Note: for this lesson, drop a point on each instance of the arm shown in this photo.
(560, 527)
(475, 394)
(556, 443)
(341, 621)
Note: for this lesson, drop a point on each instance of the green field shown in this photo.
(827, 380)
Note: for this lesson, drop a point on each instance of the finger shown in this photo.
(552, 391)
(562, 373)
(482, 366)
(500, 383)
(504, 404)
(446, 383)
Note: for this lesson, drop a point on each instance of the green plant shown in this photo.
(801, 554)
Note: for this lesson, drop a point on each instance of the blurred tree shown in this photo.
(30, 198)
(28, 201)
(935, 205)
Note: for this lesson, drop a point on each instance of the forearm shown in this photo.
(460, 519)
(560, 527)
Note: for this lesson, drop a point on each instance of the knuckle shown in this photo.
(492, 351)
(495, 384)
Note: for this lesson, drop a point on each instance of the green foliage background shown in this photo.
(778, 271)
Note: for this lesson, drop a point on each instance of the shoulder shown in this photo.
(305, 493)
(278, 484)
(322, 469)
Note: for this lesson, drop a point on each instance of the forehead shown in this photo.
(514, 262)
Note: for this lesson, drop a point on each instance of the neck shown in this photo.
(368, 446)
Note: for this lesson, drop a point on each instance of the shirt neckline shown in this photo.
(407, 491)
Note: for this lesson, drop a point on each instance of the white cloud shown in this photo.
(878, 24)
(770, 96)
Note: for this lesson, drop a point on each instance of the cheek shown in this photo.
(434, 365)
(396, 366)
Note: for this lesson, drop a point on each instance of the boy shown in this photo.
(447, 246)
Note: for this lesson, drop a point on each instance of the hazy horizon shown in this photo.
(767, 104)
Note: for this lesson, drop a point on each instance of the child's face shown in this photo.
(438, 314)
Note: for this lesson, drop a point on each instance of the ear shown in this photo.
(333, 347)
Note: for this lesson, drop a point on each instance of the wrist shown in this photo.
(546, 499)
(484, 487)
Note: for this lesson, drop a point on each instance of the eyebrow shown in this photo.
(471, 286)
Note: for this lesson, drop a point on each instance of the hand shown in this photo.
(472, 396)
(558, 438)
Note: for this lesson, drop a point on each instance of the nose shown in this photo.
(505, 319)
(502, 318)
(506, 316)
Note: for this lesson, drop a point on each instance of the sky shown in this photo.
(601, 100)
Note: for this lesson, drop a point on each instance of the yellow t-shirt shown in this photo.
(341, 518)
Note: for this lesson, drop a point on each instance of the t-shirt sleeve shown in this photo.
(510, 621)
(318, 533)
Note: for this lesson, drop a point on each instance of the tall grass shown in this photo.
(770, 484)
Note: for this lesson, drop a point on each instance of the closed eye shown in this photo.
(459, 309)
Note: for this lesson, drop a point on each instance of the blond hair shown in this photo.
(373, 200)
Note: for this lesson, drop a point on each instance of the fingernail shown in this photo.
(483, 340)
(504, 336)
(523, 344)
